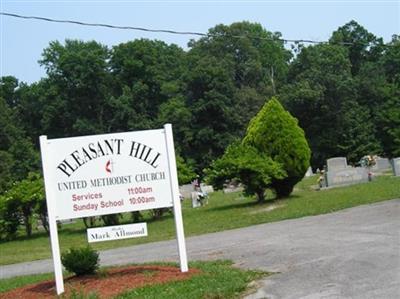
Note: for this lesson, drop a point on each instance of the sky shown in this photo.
(22, 41)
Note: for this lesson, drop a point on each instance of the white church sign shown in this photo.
(111, 173)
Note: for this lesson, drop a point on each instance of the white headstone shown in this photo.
(195, 200)
(186, 190)
(207, 188)
(396, 166)
(381, 164)
(336, 163)
(347, 176)
(309, 172)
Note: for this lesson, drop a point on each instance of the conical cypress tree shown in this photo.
(274, 131)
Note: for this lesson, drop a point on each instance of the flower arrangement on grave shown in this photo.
(368, 161)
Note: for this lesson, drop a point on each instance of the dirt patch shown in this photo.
(269, 208)
(107, 284)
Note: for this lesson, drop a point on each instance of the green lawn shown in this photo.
(224, 211)
(16, 282)
(217, 279)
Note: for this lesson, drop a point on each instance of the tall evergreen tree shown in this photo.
(276, 133)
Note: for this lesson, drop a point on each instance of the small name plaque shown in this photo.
(117, 232)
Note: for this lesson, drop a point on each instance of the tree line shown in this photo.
(344, 93)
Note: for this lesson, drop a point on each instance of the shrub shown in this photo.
(9, 218)
(111, 219)
(253, 169)
(19, 203)
(185, 171)
(276, 133)
(81, 261)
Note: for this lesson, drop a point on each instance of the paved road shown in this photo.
(353, 253)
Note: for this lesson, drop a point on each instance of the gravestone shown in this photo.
(396, 166)
(186, 190)
(340, 174)
(309, 172)
(232, 188)
(68, 221)
(381, 164)
(195, 202)
(207, 189)
(336, 163)
(347, 176)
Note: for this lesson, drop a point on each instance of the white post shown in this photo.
(55, 246)
(180, 235)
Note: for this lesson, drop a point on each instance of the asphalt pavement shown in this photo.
(353, 253)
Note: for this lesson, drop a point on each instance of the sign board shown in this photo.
(107, 174)
(116, 232)
(113, 173)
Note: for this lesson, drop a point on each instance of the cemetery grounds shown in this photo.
(223, 212)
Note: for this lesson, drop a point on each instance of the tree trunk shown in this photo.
(43, 216)
(45, 223)
(84, 219)
(136, 216)
(260, 196)
(272, 80)
(27, 221)
(89, 221)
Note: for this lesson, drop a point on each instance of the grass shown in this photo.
(217, 279)
(20, 281)
(224, 211)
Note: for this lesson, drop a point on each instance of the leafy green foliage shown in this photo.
(346, 95)
(362, 46)
(9, 218)
(145, 76)
(388, 124)
(275, 133)
(322, 94)
(17, 155)
(274, 154)
(228, 80)
(388, 114)
(254, 169)
(77, 77)
(175, 112)
(185, 171)
(81, 261)
(112, 219)
(19, 203)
